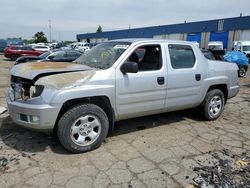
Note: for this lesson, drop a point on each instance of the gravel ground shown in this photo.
(165, 150)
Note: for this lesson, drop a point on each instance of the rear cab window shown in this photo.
(181, 56)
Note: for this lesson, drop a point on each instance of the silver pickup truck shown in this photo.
(117, 80)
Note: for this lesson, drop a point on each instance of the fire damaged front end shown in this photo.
(28, 108)
(31, 92)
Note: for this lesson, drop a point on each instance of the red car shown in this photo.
(13, 52)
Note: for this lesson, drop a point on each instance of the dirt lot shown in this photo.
(155, 151)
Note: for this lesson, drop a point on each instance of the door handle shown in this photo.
(198, 77)
(161, 80)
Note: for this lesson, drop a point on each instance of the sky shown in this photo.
(23, 18)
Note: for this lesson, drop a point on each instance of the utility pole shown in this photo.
(49, 31)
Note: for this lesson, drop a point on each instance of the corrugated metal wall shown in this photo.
(231, 29)
(245, 35)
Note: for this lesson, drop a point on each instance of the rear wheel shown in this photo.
(83, 128)
(242, 72)
(213, 104)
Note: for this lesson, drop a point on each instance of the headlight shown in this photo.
(18, 91)
(36, 90)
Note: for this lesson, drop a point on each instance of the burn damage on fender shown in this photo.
(52, 75)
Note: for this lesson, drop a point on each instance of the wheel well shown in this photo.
(102, 101)
(222, 87)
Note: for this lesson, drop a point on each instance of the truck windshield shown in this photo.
(246, 48)
(103, 55)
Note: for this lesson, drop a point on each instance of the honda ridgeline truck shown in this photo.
(117, 80)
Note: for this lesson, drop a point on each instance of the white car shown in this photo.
(82, 46)
(215, 45)
(41, 48)
(243, 46)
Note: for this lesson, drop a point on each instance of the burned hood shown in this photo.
(66, 80)
(33, 70)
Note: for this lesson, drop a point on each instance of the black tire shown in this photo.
(207, 109)
(242, 71)
(13, 57)
(66, 123)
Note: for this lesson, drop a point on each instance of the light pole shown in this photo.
(49, 31)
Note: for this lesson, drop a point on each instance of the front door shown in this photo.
(142, 93)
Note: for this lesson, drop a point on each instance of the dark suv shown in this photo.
(13, 52)
(52, 56)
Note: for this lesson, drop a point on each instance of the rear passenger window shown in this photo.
(181, 56)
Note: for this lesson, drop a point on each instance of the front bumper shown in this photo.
(24, 115)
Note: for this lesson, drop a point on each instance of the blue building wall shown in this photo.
(194, 37)
(238, 23)
(220, 36)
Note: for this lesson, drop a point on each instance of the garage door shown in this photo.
(220, 36)
(194, 37)
(245, 35)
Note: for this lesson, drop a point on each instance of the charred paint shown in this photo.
(66, 80)
(49, 65)
(31, 70)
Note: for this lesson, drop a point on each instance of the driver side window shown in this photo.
(148, 57)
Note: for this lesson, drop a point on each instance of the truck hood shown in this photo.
(32, 70)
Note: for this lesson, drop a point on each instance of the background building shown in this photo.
(226, 30)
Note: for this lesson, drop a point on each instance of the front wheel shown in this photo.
(83, 128)
(13, 57)
(213, 104)
(242, 72)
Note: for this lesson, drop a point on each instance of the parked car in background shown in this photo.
(244, 46)
(82, 46)
(24, 59)
(240, 59)
(54, 56)
(91, 45)
(63, 56)
(3, 45)
(13, 52)
(41, 48)
(208, 54)
(215, 45)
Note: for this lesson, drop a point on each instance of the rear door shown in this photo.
(184, 77)
(142, 93)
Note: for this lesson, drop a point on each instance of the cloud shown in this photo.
(70, 17)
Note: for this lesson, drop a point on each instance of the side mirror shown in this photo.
(129, 67)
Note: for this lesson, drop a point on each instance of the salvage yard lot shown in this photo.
(153, 151)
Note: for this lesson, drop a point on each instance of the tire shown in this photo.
(83, 128)
(213, 104)
(242, 71)
(13, 57)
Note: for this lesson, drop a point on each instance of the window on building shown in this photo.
(181, 56)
